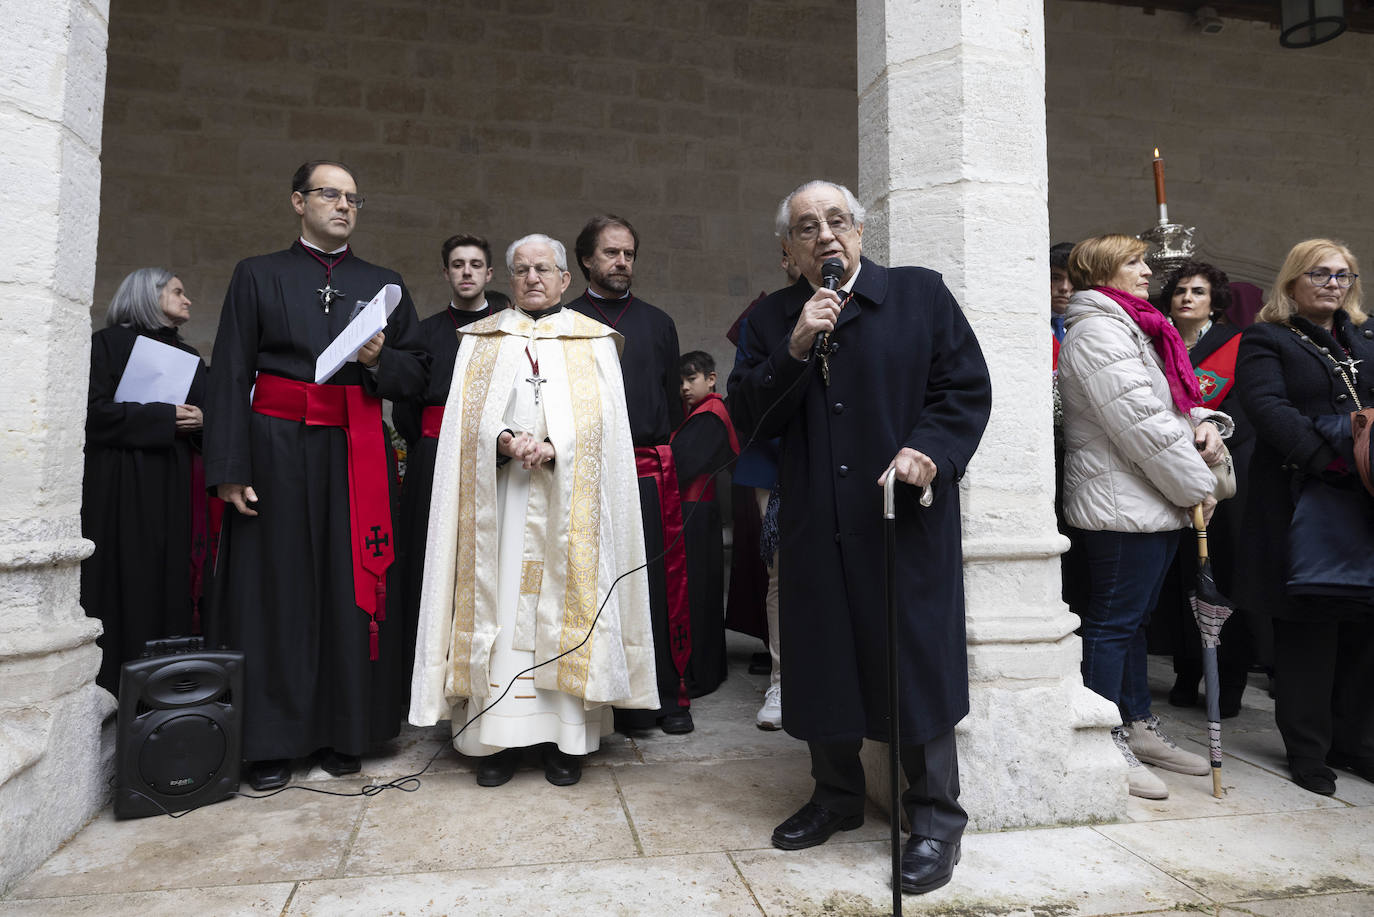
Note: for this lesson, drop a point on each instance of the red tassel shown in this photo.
(381, 597)
(372, 640)
(683, 700)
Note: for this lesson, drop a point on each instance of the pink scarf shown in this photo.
(1168, 344)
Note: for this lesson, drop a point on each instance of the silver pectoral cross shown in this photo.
(327, 296)
(536, 380)
(1350, 363)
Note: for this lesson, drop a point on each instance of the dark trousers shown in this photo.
(1126, 570)
(931, 800)
(1324, 688)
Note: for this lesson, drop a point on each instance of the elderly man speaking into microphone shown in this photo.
(882, 372)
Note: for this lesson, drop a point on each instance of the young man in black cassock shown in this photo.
(606, 250)
(301, 578)
(704, 445)
(468, 270)
(898, 384)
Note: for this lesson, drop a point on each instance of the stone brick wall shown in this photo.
(1264, 146)
(689, 118)
(500, 117)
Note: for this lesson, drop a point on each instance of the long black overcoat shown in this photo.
(1284, 384)
(906, 370)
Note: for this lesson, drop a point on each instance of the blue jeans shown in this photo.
(1125, 571)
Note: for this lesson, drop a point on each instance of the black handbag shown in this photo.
(1331, 541)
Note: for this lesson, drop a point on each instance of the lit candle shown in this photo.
(1159, 188)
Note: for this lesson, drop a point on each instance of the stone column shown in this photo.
(52, 91)
(952, 165)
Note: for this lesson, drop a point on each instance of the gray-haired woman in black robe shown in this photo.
(139, 496)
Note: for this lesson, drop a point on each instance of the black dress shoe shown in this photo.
(927, 864)
(269, 775)
(1364, 767)
(340, 765)
(676, 724)
(561, 769)
(1313, 776)
(494, 770)
(811, 825)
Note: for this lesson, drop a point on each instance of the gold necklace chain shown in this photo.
(1340, 368)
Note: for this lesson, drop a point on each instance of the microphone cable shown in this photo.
(409, 783)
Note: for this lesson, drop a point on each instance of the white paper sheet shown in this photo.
(157, 372)
(359, 331)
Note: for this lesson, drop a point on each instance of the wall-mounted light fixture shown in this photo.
(1207, 21)
(1310, 22)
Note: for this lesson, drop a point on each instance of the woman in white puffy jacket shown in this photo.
(1137, 449)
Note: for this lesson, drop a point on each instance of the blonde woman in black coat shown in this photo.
(1303, 367)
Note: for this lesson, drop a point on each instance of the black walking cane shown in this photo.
(894, 729)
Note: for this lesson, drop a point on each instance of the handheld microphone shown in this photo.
(832, 269)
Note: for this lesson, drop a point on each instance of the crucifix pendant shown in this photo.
(328, 295)
(1350, 363)
(536, 381)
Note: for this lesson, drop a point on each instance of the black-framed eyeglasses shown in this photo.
(332, 195)
(808, 230)
(1321, 277)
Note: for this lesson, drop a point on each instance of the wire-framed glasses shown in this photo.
(332, 195)
(807, 230)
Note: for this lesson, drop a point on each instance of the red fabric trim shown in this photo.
(703, 487)
(1054, 365)
(656, 462)
(369, 502)
(432, 421)
(1217, 373)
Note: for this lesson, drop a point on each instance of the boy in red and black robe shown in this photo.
(702, 446)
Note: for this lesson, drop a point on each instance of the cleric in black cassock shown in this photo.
(317, 674)
(605, 251)
(143, 499)
(467, 268)
(908, 388)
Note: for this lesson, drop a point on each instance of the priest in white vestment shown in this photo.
(528, 631)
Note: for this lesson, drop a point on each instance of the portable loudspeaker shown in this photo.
(179, 732)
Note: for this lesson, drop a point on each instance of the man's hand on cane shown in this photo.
(912, 467)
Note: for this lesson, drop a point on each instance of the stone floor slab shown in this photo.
(1267, 752)
(1061, 872)
(428, 749)
(1260, 856)
(1249, 790)
(720, 805)
(408, 753)
(723, 730)
(295, 834)
(1352, 904)
(234, 901)
(451, 823)
(705, 885)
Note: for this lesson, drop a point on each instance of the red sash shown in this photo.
(703, 486)
(1217, 373)
(657, 462)
(369, 502)
(1054, 364)
(432, 421)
